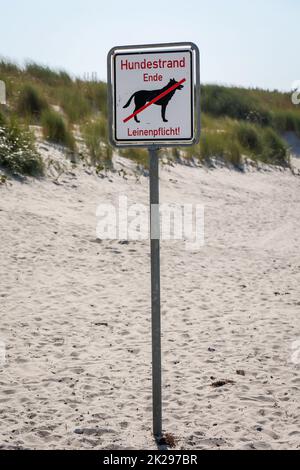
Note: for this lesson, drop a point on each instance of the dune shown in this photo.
(75, 314)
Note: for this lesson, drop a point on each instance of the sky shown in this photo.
(251, 43)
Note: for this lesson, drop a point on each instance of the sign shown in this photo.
(154, 95)
(154, 101)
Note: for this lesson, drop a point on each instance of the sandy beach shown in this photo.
(75, 315)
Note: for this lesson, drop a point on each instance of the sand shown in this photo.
(75, 315)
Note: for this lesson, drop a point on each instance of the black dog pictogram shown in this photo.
(144, 96)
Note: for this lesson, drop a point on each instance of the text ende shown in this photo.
(153, 78)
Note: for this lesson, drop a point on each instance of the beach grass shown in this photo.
(236, 122)
(56, 130)
(17, 151)
(31, 102)
(95, 134)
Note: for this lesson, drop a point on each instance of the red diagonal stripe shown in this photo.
(157, 98)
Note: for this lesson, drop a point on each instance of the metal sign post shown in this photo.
(153, 102)
(155, 292)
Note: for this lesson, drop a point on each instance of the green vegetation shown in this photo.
(56, 130)
(275, 150)
(47, 75)
(96, 139)
(236, 122)
(260, 107)
(228, 140)
(2, 119)
(31, 103)
(137, 155)
(250, 138)
(220, 146)
(17, 152)
(234, 103)
(262, 144)
(75, 105)
(287, 121)
(79, 99)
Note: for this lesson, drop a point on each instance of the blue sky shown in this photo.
(242, 42)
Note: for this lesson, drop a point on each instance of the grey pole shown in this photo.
(155, 292)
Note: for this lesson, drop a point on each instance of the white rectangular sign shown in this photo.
(152, 95)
